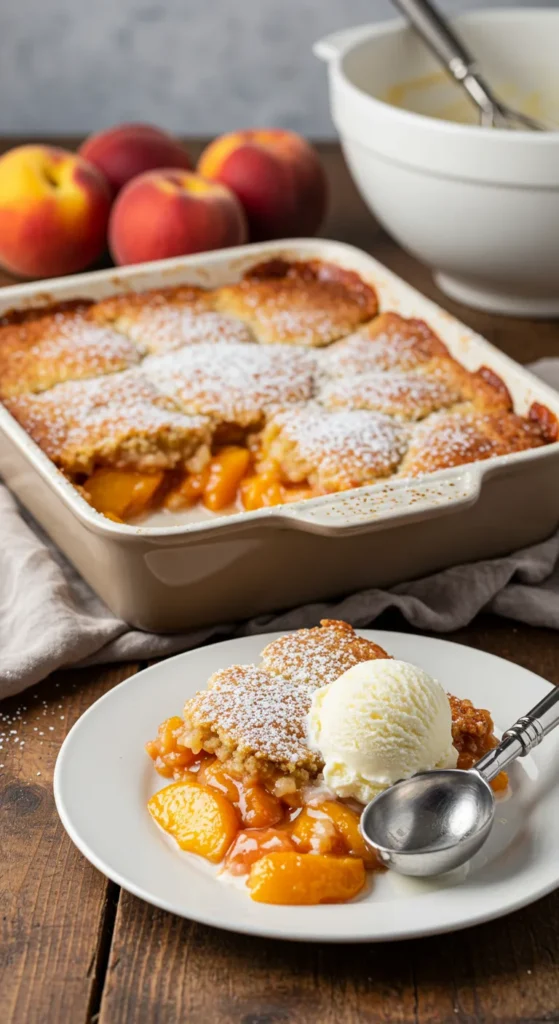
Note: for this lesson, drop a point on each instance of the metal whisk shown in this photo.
(448, 48)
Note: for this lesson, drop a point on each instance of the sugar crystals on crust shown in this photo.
(121, 421)
(299, 303)
(252, 717)
(455, 438)
(46, 350)
(333, 451)
(234, 384)
(163, 320)
(407, 396)
(317, 656)
(389, 342)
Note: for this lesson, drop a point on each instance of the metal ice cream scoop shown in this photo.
(437, 820)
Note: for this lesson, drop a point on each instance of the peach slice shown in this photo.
(200, 819)
(315, 832)
(305, 878)
(257, 807)
(260, 491)
(227, 469)
(212, 773)
(123, 493)
(296, 493)
(188, 491)
(500, 782)
(346, 822)
(253, 843)
(171, 758)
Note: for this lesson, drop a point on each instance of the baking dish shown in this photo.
(172, 573)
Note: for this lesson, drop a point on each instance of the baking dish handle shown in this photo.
(380, 507)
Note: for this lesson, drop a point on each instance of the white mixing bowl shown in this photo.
(479, 206)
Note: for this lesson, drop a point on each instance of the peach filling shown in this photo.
(122, 494)
(290, 854)
(473, 736)
(466, 761)
(227, 478)
(264, 489)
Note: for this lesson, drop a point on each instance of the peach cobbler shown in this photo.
(246, 790)
(285, 386)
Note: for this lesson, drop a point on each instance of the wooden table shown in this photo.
(76, 948)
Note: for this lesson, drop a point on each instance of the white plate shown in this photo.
(103, 779)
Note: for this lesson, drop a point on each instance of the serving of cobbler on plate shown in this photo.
(262, 783)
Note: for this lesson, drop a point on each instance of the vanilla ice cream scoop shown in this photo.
(381, 721)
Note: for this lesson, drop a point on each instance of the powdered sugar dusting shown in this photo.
(448, 439)
(122, 309)
(329, 416)
(258, 714)
(307, 327)
(76, 336)
(318, 656)
(388, 343)
(164, 328)
(404, 395)
(260, 710)
(78, 421)
(233, 383)
(341, 448)
(65, 345)
(299, 308)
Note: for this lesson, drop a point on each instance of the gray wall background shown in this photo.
(192, 66)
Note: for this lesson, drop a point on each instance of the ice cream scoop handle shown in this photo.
(522, 737)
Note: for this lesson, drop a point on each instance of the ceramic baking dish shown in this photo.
(174, 573)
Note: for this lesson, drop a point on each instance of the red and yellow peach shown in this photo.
(54, 209)
(171, 212)
(127, 150)
(277, 176)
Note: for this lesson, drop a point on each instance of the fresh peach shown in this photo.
(127, 150)
(277, 176)
(54, 208)
(171, 213)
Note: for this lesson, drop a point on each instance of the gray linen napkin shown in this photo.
(50, 618)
